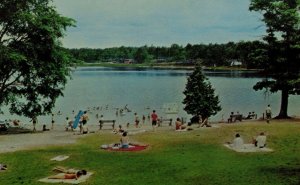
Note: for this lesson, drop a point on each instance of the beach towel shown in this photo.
(249, 148)
(183, 130)
(131, 148)
(82, 178)
(60, 158)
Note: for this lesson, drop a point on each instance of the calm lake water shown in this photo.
(102, 90)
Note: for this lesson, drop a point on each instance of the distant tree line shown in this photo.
(247, 53)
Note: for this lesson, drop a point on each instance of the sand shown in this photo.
(58, 136)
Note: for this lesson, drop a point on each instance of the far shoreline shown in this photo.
(170, 66)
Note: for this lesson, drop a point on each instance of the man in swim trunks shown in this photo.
(154, 118)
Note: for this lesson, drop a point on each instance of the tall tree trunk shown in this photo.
(284, 105)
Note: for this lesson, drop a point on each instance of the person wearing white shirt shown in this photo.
(260, 140)
(238, 142)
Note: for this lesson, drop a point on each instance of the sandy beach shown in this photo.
(15, 142)
(58, 136)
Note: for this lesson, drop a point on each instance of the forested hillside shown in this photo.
(245, 54)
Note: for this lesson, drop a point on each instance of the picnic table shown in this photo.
(107, 121)
(161, 121)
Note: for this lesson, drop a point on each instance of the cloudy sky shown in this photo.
(110, 23)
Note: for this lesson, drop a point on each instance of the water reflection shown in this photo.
(233, 73)
(129, 71)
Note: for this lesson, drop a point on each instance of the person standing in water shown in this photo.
(136, 120)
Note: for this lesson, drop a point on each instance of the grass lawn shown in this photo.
(195, 157)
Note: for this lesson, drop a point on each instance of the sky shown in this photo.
(115, 23)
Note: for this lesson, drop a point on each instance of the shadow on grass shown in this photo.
(289, 174)
(16, 130)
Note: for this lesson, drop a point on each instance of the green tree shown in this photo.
(34, 66)
(199, 95)
(177, 52)
(142, 55)
(283, 47)
(251, 53)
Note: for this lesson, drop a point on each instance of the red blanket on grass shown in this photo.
(130, 149)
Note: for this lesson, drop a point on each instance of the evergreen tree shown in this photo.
(199, 95)
(282, 64)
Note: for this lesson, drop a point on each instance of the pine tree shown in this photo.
(199, 95)
(282, 59)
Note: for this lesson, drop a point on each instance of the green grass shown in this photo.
(195, 157)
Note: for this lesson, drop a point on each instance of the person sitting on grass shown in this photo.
(249, 116)
(69, 175)
(260, 141)
(124, 140)
(237, 142)
(179, 125)
(204, 122)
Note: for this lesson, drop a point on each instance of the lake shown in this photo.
(102, 90)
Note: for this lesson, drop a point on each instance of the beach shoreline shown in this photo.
(56, 137)
(59, 136)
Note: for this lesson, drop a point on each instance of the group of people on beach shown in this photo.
(124, 140)
(83, 128)
(233, 117)
(198, 119)
(153, 119)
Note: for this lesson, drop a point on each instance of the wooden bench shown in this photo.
(161, 121)
(235, 117)
(107, 121)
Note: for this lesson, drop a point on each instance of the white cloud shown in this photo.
(108, 23)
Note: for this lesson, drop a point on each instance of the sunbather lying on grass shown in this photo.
(61, 169)
(69, 175)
